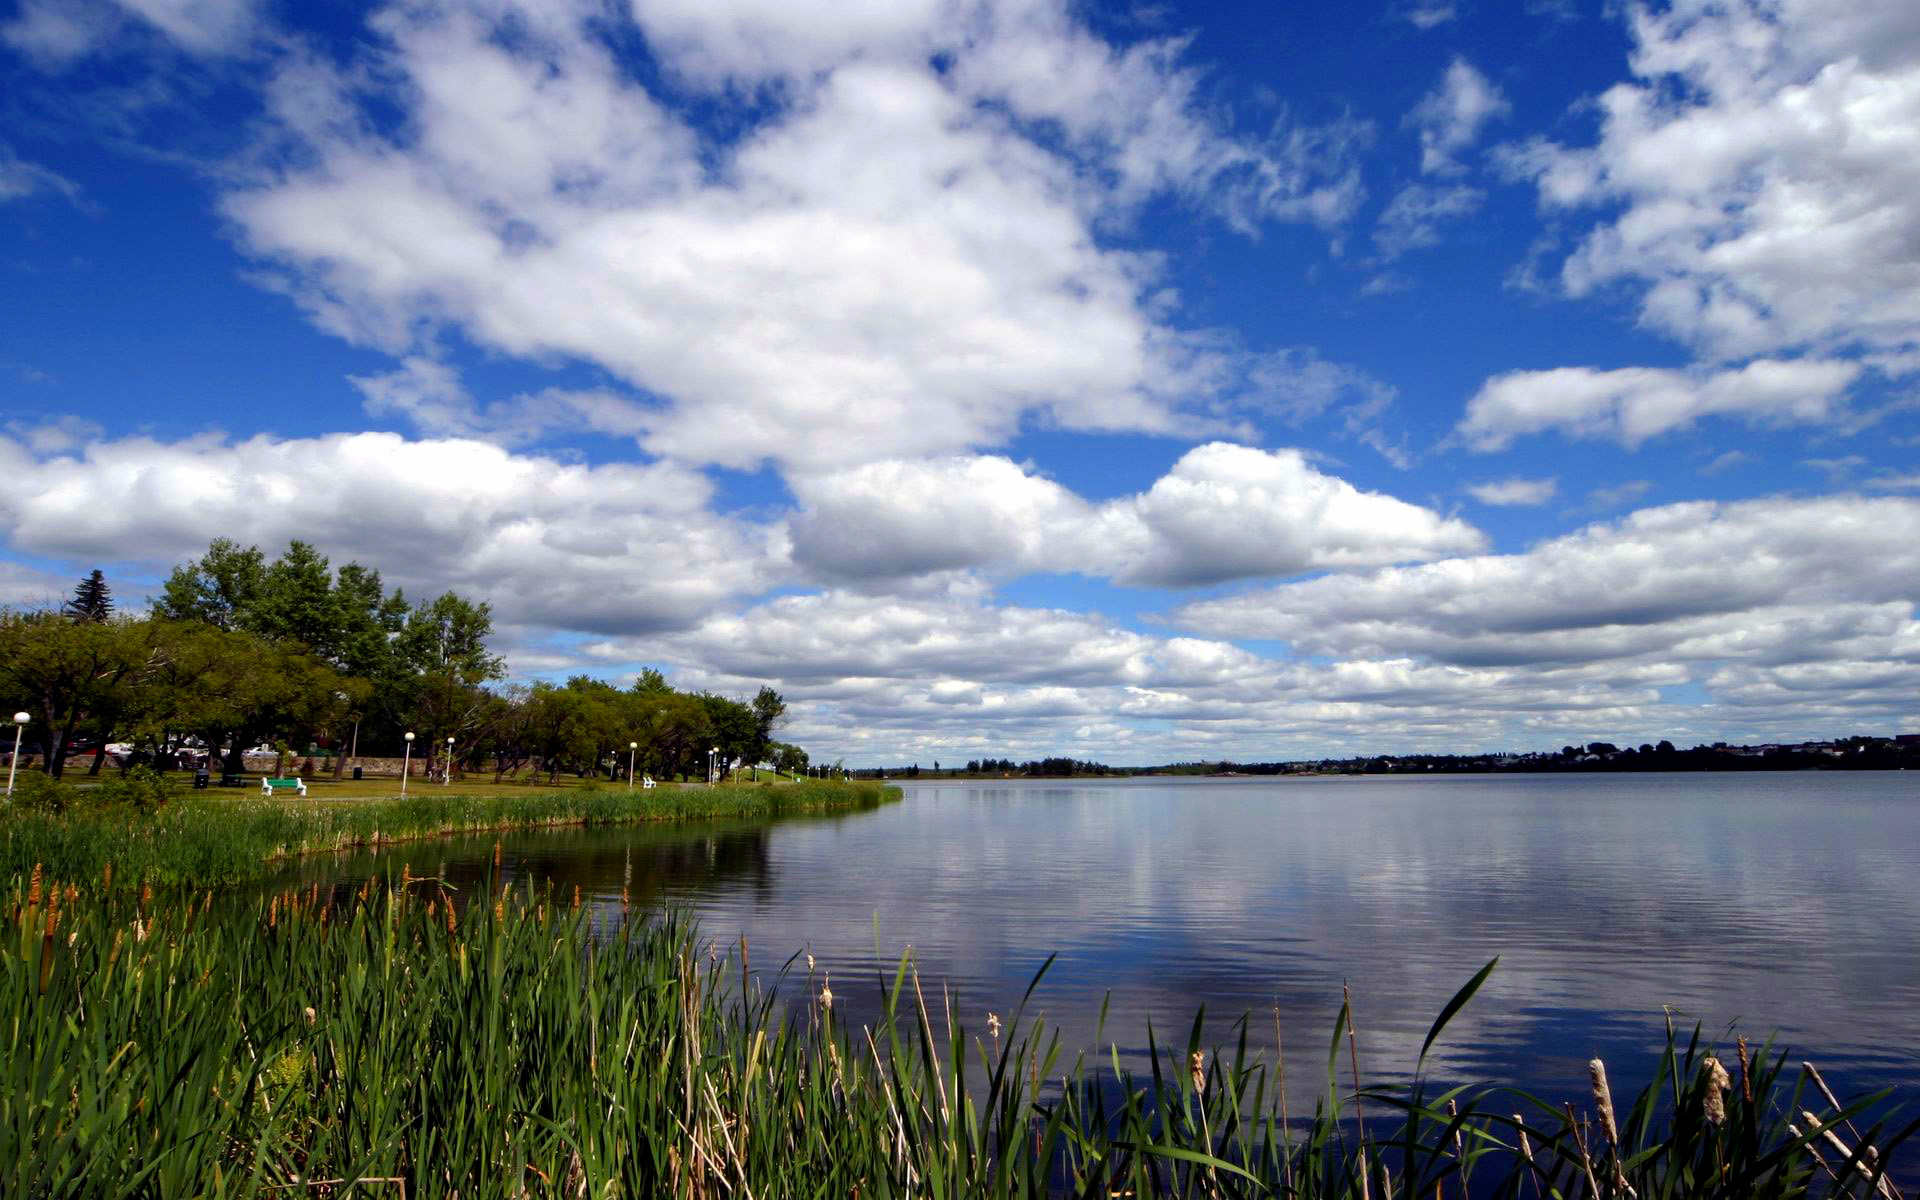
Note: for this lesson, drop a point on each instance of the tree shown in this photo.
(295, 602)
(769, 712)
(651, 683)
(92, 601)
(219, 590)
(72, 675)
(736, 728)
(444, 665)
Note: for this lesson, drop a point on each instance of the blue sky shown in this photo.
(1009, 376)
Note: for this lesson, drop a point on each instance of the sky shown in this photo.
(1004, 378)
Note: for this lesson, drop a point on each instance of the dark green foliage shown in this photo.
(92, 601)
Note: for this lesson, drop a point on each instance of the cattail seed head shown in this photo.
(1197, 1066)
(576, 897)
(993, 1025)
(311, 1015)
(33, 887)
(826, 993)
(106, 878)
(1603, 1100)
(1718, 1082)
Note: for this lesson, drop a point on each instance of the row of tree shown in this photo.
(238, 650)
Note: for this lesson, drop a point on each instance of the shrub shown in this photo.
(141, 788)
(37, 791)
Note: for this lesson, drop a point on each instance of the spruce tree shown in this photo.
(92, 601)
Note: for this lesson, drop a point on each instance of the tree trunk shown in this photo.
(99, 756)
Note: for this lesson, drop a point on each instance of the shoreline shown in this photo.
(213, 842)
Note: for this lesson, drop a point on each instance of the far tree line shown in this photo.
(238, 651)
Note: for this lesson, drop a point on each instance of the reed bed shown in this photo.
(408, 1041)
(202, 842)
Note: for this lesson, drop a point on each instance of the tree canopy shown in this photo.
(293, 652)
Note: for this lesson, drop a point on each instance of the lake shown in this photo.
(1785, 903)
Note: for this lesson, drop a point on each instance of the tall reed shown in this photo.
(408, 1040)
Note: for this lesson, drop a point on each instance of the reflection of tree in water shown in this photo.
(655, 866)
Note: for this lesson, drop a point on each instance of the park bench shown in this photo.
(232, 779)
(269, 787)
(646, 781)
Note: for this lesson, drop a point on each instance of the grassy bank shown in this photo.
(289, 1045)
(211, 841)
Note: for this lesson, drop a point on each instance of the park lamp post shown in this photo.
(406, 765)
(20, 720)
(633, 748)
(448, 781)
(712, 778)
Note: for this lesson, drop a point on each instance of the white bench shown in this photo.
(646, 781)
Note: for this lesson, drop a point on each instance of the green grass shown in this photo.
(210, 840)
(390, 1043)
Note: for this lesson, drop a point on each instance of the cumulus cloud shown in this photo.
(1631, 404)
(1511, 493)
(885, 677)
(562, 545)
(894, 261)
(1769, 581)
(1765, 168)
(1451, 116)
(1221, 512)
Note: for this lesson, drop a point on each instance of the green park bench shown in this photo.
(269, 787)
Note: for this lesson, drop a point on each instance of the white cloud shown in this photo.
(1412, 219)
(1631, 404)
(615, 547)
(20, 179)
(1617, 495)
(1765, 165)
(886, 265)
(1451, 116)
(1221, 512)
(1135, 111)
(1770, 580)
(57, 32)
(888, 678)
(22, 586)
(1510, 493)
(1428, 15)
(430, 396)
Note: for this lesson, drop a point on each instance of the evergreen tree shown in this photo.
(92, 601)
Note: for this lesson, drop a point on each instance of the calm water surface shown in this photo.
(1785, 903)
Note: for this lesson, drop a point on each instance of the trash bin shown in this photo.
(356, 774)
(200, 778)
